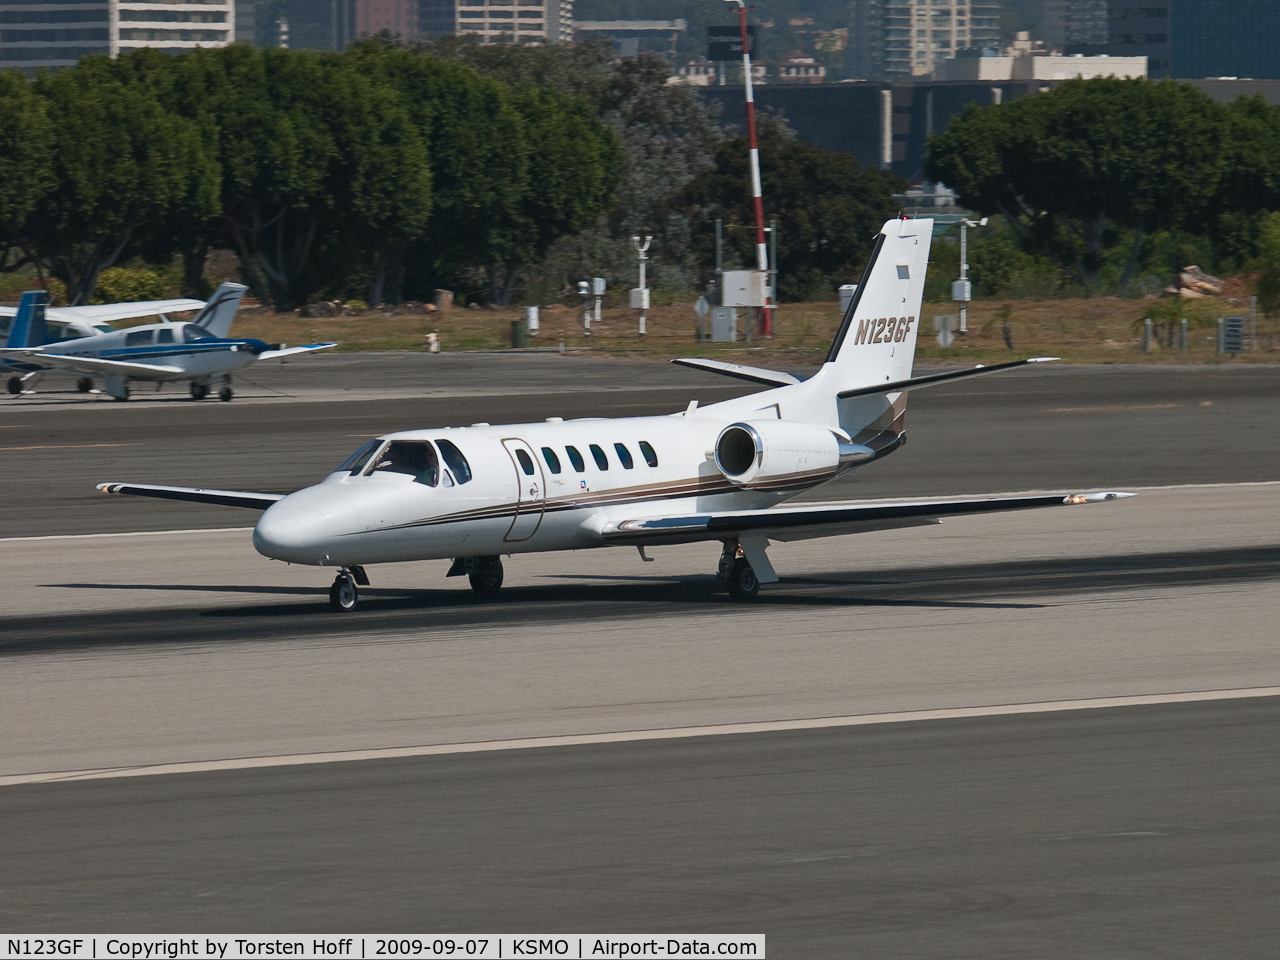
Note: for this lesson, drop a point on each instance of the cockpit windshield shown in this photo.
(356, 462)
(414, 457)
(193, 331)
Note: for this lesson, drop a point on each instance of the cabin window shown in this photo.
(139, 338)
(356, 462)
(164, 336)
(193, 332)
(526, 463)
(455, 460)
(650, 455)
(601, 460)
(576, 459)
(417, 458)
(553, 462)
(624, 455)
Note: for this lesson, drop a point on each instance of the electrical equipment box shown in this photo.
(961, 291)
(744, 288)
(597, 287)
(724, 324)
(639, 298)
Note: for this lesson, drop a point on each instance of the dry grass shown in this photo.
(1099, 330)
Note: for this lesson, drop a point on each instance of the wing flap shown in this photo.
(831, 519)
(770, 378)
(224, 498)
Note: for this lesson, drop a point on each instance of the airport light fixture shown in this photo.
(962, 289)
(762, 252)
(640, 295)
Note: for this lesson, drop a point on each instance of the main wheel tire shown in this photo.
(343, 595)
(487, 580)
(225, 394)
(15, 385)
(743, 584)
(124, 393)
(199, 391)
(84, 384)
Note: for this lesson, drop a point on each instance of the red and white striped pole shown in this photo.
(762, 251)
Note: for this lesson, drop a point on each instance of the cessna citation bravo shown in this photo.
(718, 473)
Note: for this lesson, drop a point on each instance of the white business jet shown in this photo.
(718, 473)
(200, 351)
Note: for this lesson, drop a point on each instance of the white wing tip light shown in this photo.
(1096, 497)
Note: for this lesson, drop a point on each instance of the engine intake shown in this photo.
(778, 454)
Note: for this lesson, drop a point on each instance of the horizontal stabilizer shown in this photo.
(290, 351)
(770, 378)
(823, 519)
(224, 498)
(931, 379)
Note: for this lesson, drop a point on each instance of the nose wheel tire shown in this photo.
(199, 391)
(343, 595)
(225, 394)
(742, 582)
(84, 384)
(486, 579)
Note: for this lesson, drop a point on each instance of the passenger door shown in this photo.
(531, 491)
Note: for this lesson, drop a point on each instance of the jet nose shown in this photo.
(295, 534)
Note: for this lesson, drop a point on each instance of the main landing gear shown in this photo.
(343, 595)
(201, 390)
(737, 573)
(485, 574)
(84, 384)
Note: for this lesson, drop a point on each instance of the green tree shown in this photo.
(26, 174)
(121, 162)
(1090, 156)
(1269, 262)
(828, 209)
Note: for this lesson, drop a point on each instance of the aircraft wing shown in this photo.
(225, 498)
(770, 378)
(61, 361)
(107, 312)
(290, 351)
(805, 521)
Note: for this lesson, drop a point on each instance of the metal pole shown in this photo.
(964, 274)
(1146, 335)
(773, 259)
(1253, 324)
(762, 253)
(719, 262)
(1222, 345)
(1184, 336)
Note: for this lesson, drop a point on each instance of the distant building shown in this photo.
(499, 21)
(318, 24)
(630, 37)
(899, 39)
(56, 33)
(1197, 39)
(246, 21)
(801, 68)
(398, 17)
(695, 73)
(1039, 68)
(1070, 23)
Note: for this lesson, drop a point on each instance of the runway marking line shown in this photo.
(636, 736)
(71, 446)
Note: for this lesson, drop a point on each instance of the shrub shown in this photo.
(126, 284)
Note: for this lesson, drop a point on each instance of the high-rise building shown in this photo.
(510, 21)
(319, 24)
(394, 16)
(57, 33)
(1197, 39)
(899, 39)
(1074, 23)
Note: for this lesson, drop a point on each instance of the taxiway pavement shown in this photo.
(1130, 832)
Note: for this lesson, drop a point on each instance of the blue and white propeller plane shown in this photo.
(200, 351)
(718, 473)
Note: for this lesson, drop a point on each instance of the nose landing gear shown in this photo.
(343, 595)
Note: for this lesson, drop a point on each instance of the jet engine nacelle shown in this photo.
(768, 454)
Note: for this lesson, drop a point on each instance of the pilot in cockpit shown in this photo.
(414, 457)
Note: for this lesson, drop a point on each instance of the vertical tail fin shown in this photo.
(220, 311)
(28, 328)
(876, 342)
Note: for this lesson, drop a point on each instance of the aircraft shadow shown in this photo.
(304, 611)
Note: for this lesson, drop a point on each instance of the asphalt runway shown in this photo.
(1147, 830)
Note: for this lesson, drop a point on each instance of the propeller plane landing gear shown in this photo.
(343, 595)
(15, 385)
(199, 391)
(84, 384)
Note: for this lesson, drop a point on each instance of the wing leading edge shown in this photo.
(823, 520)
